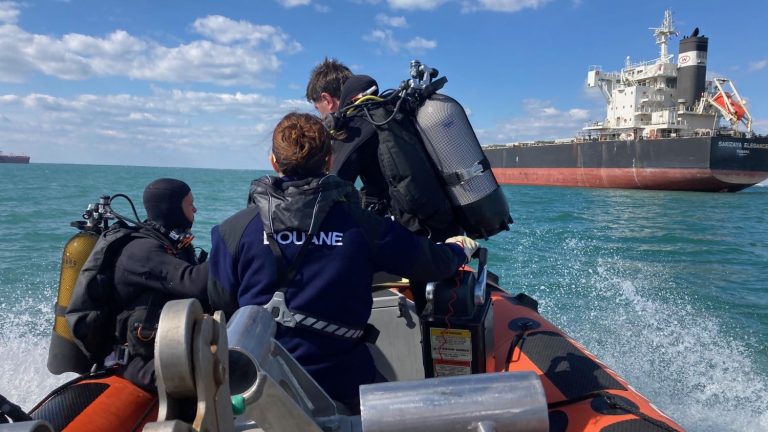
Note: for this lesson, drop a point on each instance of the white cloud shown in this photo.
(232, 53)
(177, 128)
(415, 4)
(471, 5)
(758, 65)
(294, 3)
(578, 113)
(541, 121)
(386, 39)
(760, 125)
(504, 5)
(419, 44)
(227, 31)
(9, 12)
(391, 21)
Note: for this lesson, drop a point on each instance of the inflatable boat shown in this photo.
(476, 358)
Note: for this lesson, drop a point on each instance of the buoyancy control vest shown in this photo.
(438, 175)
(92, 311)
(417, 197)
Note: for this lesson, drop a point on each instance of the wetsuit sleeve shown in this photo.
(147, 263)
(398, 251)
(223, 278)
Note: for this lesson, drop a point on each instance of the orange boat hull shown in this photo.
(583, 394)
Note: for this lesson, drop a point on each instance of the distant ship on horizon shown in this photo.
(666, 127)
(13, 158)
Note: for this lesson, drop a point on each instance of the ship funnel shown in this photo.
(692, 68)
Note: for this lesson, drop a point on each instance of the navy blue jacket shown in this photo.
(334, 279)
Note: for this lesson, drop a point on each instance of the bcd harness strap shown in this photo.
(145, 330)
(462, 176)
(282, 315)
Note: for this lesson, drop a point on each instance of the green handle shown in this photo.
(238, 404)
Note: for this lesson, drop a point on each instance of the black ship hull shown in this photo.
(14, 159)
(713, 164)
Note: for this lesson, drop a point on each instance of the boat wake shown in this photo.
(636, 318)
(25, 326)
(685, 359)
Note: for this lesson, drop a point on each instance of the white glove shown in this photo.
(466, 243)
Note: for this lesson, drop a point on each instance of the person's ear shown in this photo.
(273, 162)
(331, 102)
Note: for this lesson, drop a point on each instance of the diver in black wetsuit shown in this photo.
(355, 149)
(158, 264)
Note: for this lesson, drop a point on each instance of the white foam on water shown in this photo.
(682, 357)
(25, 326)
(635, 316)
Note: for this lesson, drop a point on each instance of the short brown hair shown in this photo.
(301, 145)
(327, 77)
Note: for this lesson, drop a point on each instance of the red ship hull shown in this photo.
(707, 164)
(14, 159)
(703, 180)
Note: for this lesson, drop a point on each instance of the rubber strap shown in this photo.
(286, 274)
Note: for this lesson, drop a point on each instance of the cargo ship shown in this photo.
(667, 127)
(13, 158)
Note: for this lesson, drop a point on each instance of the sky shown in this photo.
(202, 84)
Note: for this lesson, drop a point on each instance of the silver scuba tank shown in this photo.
(451, 142)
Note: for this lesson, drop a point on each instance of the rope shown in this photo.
(616, 404)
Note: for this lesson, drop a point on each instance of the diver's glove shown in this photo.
(466, 243)
(202, 256)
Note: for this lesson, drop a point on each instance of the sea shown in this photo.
(669, 289)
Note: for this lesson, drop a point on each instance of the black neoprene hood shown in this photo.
(162, 200)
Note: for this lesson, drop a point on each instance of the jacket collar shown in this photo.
(299, 203)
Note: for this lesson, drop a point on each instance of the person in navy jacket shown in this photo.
(307, 236)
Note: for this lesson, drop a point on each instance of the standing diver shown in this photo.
(355, 150)
(308, 249)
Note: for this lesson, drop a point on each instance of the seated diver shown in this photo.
(308, 248)
(113, 313)
(156, 265)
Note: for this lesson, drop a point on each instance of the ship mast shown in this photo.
(662, 34)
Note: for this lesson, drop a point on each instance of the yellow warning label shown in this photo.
(451, 351)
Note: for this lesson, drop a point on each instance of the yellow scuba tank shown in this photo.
(63, 354)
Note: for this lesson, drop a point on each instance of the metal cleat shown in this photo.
(191, 363)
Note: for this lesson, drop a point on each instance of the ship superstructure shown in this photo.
(663, 99)
(666, 127)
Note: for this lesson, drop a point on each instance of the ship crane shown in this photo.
(730, 104)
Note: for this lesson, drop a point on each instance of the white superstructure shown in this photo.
(644, 100)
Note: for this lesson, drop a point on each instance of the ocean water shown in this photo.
(667, 288)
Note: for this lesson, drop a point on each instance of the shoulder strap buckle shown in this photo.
(280, 311)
